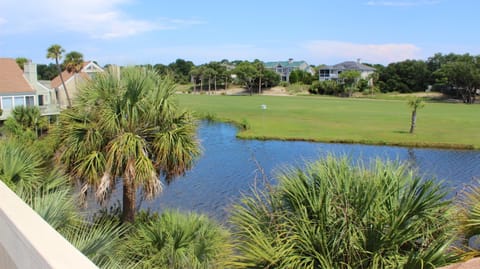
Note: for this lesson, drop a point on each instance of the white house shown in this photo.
(328, 72)
(284, 68)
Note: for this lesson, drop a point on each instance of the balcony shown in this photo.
(27, 241)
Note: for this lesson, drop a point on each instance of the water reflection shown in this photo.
(229, 166)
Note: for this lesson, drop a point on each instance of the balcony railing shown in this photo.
(27, 241)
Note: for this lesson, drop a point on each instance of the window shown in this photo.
(30, 100)
(7, 103)
(324, 73)
(19, 101)
(41, 100)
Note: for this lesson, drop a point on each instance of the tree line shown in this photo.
(456, 75)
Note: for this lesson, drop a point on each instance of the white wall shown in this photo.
(27, 241)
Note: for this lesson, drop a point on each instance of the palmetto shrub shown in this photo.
(469, 215)
(337, 215)
(49, 193)
(177, 240)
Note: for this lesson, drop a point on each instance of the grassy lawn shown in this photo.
(346, 120)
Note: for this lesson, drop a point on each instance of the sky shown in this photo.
(128, 32)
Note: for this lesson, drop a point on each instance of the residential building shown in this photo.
(21, 88)
(72, 81)
(284, 68)
(328, 72)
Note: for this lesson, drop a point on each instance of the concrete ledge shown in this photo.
(470, 264)
(27, 241)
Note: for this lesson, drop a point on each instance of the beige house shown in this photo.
(21, 88)
(73, 81)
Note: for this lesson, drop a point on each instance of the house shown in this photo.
(284, 68)
(332, 72)
(72, 81)
(19, 88)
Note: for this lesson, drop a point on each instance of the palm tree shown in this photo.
(73, 62)
(55, 52)
(127, 125)
(415, 103)
(337, 215)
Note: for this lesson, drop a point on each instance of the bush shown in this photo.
(328, 87)
(335, 215)
(175, 240)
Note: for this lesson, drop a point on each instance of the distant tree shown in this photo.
(463, 77)
(300, 76)
(271, 78)
(21, 61)
(209, 73)
(415, 104)
(73, 62)
(161, 69)
(405, 76)
(181, 70)
(246, 74)
(260, 66)
(55, 52)
(349, 80)
(47, 72)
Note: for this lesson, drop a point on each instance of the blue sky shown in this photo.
(318, 31)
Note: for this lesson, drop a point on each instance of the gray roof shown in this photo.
(349, 65)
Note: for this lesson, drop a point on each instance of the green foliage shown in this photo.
(47, 72)
(296, 88)
(406, 76)
(245, 125)
(463, 76)
(181, 70)
(21, 168)
(300, 76)
(327, 87)
(127, 125)
(335, 215)
(73, 62)
(21, 61)
(176, 240)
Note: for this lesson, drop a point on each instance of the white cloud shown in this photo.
(3, 20)
(100, 19)
(402, 3)
(326, 51)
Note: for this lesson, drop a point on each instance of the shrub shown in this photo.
(176, 240)
(335, 215)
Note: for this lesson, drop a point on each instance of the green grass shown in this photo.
(344, 120)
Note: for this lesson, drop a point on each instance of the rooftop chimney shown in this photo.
(30, 71)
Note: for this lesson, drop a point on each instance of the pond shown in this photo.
(229, 166)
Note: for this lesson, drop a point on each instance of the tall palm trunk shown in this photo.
(209, 85)
(215, 83)
(260, 85)
(63, 83)
(129, 195)
(414, 121)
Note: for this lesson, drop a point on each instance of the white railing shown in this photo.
(27, 241)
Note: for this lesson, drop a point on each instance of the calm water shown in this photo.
(229, 167)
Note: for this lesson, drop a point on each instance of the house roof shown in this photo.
(12, 79)
(349, 65)
(57, 82)
(284, 64)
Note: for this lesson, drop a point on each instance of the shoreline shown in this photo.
(445, 146)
